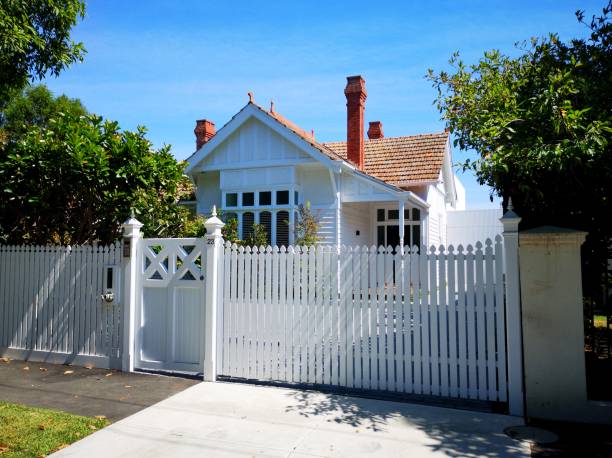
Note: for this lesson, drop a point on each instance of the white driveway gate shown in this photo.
(423, 322)
(170, 307)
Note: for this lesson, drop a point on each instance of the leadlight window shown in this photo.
(248, 218)
(265, 198)
(265, 219)
(248, 199)
(282, 228)
(282, 197)
(248, 207)
(231, 199)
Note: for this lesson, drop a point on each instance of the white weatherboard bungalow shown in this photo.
(378, 191)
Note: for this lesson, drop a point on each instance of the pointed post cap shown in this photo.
(510, 219)
(131, 226)
(213, 224)
(132, 221)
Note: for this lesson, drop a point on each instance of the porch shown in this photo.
(384, 223)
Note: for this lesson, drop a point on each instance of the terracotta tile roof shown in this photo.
(398, 161)
(401, 161)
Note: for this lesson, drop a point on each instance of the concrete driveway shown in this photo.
(235, 420)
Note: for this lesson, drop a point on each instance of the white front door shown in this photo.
(170, 318)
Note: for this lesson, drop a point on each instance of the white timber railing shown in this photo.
(51, 305)
(423, 321)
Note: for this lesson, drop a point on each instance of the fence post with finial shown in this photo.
(212, 296)
(510, 221)
(130, 252)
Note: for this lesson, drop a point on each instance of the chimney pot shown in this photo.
(204, 131)
(356, 95)
(375, 131)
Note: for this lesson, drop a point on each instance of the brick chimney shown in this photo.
(375, 131)
(204, 131)
(356, 95)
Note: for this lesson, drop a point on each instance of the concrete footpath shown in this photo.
(231, 420)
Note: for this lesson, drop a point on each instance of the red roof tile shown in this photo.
(398, 161)
(402, 161)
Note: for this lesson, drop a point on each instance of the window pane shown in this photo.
(282, 197)
(380, 214)
(265, 198)
(393, 236)
(406, 213)
(265, 219)
(248, 219)
(407, 235)
(248, 199)
(416, 214)
(282, 228)
(393, 214)
(295, 197)
(416, 235)
(231, 199)
(380, 239)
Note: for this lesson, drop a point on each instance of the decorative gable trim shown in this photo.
(250, 110)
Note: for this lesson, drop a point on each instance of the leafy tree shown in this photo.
(35, 40)
(35, 105)
(230, 231)
(258, 237)
(306, 226)
(541, 125)
(76, 180)
(193, 226)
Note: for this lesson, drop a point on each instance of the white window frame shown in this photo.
(395, 222)
(256, 209)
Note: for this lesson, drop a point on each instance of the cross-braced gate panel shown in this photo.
(169, 333)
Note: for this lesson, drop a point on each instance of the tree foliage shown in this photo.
(230, 230)
(306, 226)
(35, 106)
(541, 125)
(257, 237)
(76, 179)
(35, 40)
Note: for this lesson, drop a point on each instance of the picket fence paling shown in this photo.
(419, 320)
(50, 300)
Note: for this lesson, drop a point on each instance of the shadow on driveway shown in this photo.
(83, 391)
(452, 433)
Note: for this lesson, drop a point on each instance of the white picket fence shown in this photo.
(427, 322)
(51, 307)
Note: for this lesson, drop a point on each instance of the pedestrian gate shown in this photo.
(170, 315)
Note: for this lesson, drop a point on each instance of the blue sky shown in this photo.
(163, 64)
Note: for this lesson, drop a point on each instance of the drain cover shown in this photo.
(531, 434)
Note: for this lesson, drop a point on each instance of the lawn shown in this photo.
(32, 432)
